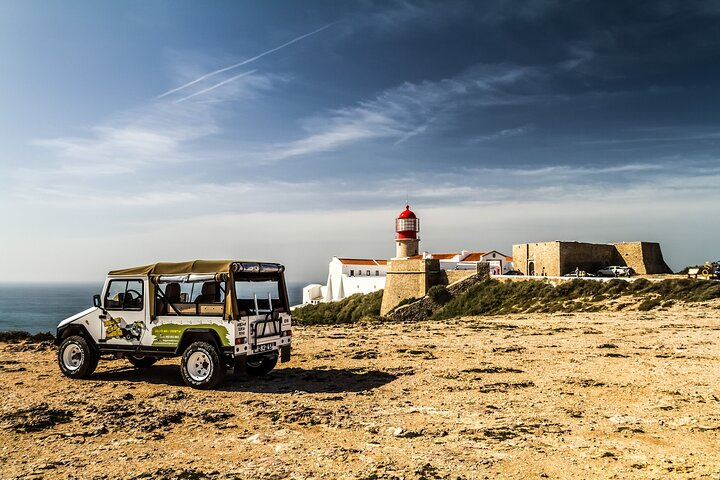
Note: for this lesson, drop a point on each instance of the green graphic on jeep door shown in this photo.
(112, 328)
(169, 334)
(118, 328)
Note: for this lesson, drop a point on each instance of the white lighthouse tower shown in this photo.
(407, 226)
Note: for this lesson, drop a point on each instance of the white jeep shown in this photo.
(215, 314)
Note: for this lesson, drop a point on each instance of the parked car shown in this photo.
(514, 272)
(578, 274)
(216, 315)
(616, 271)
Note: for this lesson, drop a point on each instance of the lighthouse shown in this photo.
(407, 226)
(408, 274)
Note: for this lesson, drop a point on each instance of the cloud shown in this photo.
(213, 87)
(395, 16)
(506, 133)
(406, 111)
(236, 65)
(156, 134)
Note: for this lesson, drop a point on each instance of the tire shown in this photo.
(259, 365)
(76, 358)
(141, 361)
(201, 366)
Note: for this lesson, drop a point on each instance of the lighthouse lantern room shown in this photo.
(407, 226)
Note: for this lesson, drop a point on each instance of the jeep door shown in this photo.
(125, 307)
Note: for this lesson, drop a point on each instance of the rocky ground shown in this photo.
(593, 395)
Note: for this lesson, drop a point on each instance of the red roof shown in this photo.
(443, 256)
(471, 257)
(362, 261)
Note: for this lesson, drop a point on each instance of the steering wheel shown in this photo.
(130, 301)
(137, 294)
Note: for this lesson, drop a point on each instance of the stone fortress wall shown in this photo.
(409, 278)
(412, 278)
(589, 257)
(558, 258)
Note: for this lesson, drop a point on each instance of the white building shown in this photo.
(499, 263)
(347, 276)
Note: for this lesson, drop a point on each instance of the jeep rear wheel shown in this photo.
(76, 358)
(141, 361)
(201, 366)
(258, 365)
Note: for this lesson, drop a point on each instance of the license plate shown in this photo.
(265, 347)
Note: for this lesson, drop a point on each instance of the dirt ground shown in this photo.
(597, 395)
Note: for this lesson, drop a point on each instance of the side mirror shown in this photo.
(96, 301)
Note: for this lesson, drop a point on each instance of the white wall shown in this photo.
(365, 284)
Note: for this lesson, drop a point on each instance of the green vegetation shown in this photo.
(649, 304)
(15, 336)
(491, 297)
(439, 294)
(349, 310)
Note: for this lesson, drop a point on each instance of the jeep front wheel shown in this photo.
(141, 361)
(201, 366)
(76, 358)
(258, 365)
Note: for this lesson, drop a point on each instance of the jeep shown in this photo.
(216, 315)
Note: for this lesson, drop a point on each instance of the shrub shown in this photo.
(439, 294)
(491, 297)
(349, 310)
(15, 336)
(648, 304)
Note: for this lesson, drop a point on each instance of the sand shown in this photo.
(596, 395)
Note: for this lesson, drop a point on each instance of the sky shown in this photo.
(141, 131)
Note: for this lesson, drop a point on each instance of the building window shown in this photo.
(377, 274)
(368, 273)
(359, 273)
(352, 273)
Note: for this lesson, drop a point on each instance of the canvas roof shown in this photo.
(182, 268)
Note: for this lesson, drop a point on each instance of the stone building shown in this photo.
(558, 258)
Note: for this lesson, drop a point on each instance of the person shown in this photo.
(577, 271)
(542, 274)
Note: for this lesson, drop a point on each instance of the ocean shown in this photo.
(39, 307)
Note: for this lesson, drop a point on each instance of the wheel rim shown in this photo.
(199, 366)
(72, 357)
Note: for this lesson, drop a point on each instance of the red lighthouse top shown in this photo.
(407, 224)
